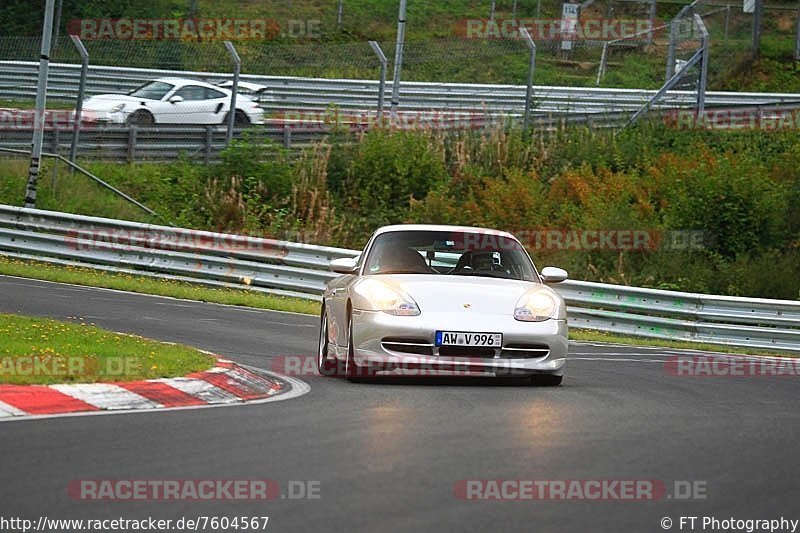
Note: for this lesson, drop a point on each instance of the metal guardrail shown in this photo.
(293, 269)
(18, 81)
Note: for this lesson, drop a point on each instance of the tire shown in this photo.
(546, 380)
(351, 370)
(240, 119)
(141, 118)
(325, 366)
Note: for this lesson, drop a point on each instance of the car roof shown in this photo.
(439, 227)
(187, 81)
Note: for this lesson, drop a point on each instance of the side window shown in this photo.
(191, 92)
(213, 94)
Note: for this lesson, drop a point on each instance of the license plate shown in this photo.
(462, 338)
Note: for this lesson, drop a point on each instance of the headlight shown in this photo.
(117, 108)
(386, 299)
(535, 306)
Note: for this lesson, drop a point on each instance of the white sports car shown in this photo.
(172, 101)
(443, 300)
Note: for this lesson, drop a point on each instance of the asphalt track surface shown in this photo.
(388, 454)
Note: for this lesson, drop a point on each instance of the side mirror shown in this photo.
(345, 265)
(554, 275)
(176, 99)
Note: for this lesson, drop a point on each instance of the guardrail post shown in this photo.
(382, 86)
(531, 71)
(132, 134)
(237, 69)
(287, 137)
(208, 145)
(76, 125)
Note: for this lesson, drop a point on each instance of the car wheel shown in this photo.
(325, 366)
(546, 380)
(240, 119)
(141, 118)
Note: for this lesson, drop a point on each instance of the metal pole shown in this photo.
(514, 10)
(652, 20)
(237, 69)
(398, 55)
(339, 15)
(531, 71)
(76, 121)
(727, 21)
(492, 10)
(538, 8)
(797, 39)
(41, 101)
(59, 5)
(757, 16)
(671, 49)
(701, 88)
(382, 87)
(602, 70)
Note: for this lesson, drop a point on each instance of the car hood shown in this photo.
(104, 102)
(436, 294)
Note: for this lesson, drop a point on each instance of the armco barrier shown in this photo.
(293, 269)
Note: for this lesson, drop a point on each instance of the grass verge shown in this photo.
(160, 287)
(248, 298)
(37, 351)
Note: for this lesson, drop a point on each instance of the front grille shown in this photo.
(466, 351)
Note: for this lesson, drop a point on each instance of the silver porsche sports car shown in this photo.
(443, 300)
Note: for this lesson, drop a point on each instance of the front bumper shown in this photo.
(383, 342)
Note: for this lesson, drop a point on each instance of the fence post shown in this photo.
(757, 16)
(382, 87)
(398, 54)
(132, 134)
(492, 10)
(797, 38)
(651, 21)
(531, 71)
(601, 71)
(237, 69)
(514, 10)
(41, 101)
(76, 126)
(54, 142)
(339, 11)
(671, 49)
(727, 22)
(701, 88)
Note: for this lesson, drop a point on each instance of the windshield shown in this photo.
(155, 90)
(449, 253)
